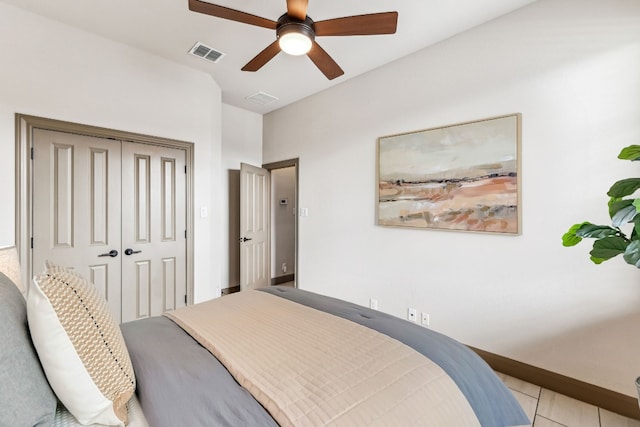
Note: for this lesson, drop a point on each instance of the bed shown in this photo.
(282, 356)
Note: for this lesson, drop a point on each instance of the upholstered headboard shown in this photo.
(27, 398)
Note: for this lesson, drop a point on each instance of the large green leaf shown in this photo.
(588, 230)
(569, 238)
(635, 233)
(636, 203)
(624, 216)
(615, 204)
(624, 187)
(632, 254)
(608, 247)
(631, 152)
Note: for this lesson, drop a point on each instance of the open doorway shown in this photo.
(284, 222)
(280, 265)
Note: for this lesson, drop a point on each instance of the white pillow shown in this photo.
(80, 347)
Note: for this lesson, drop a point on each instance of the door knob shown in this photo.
(112, 253)
(244, 239)
(130, 251)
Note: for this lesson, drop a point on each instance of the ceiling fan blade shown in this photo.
(263, 57)
(230, 14)
(359, 25)
(324, 62)
(297, 9)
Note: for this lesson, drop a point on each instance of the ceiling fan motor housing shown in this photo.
(287, 24)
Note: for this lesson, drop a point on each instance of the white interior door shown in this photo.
(153, 230)
(115, 211)
(255, 258)
(76, 208)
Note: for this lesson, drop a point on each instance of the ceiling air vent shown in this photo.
(261, 98)
(205, 52)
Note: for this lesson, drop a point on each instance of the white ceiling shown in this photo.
(167, 28)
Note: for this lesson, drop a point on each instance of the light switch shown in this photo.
(204, 212)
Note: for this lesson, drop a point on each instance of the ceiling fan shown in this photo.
(296, 32)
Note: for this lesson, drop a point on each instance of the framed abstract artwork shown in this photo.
(463, 177)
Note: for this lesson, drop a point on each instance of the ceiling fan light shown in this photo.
(294, 43)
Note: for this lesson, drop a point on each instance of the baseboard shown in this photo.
(283, 279)
(589, 393)
(230, 290)
(274, 281)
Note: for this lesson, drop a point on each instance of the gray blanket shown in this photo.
(181, 383)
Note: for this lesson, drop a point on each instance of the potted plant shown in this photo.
(624, 210)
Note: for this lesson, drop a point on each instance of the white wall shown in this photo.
(572, 68)
(55, 71)
(241, 143)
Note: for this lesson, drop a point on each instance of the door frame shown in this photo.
(281, 165)
(25, 124)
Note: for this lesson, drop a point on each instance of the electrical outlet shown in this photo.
(373, 303)
(412, 314)
(424, 319)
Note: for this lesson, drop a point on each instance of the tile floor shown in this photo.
(549, 409)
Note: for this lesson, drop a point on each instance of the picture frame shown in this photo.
(460, 177)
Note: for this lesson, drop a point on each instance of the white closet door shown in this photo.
(76, 208)
(115, 211)
(153, 230)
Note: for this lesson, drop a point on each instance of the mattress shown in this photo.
(201, 391)
(309, 368)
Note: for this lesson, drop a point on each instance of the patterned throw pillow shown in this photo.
(80, 347)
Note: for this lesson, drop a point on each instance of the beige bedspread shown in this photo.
(307, 367)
